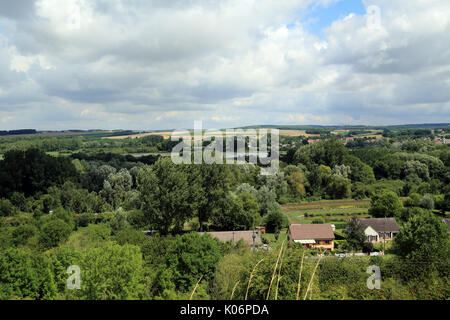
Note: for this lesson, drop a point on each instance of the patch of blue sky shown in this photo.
(320, 16)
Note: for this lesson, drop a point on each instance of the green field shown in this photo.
(331, 211)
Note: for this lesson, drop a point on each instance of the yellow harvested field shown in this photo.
(292, 133)
(168, 134)
(340, 131)
(297, 133)
(165, 134)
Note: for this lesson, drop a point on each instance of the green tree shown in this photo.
(427, 202)
(53, 232)
(213, 185)
(190, 257)
(111, 272)
(297, 182)
(326, 152)
(250, 207)
(33, 171)
(359, 171)
(413, 200)
(94, 176)
(239, 212)
(23, 276)
(119, 221)
(423, 244)
(409, 212)
(342, 170)
(388, 166)
(386, 203)
(165, 195)
(318, 178)
(117, 187)
(276, 182)
(23, 232)
(339, 187)
(355, 235)
(275, 221)
(61, 258)
(267, 200)
(446, 202)
(416, 171)
(7, 208)
(19, 201)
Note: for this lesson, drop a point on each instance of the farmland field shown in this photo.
(334, 211)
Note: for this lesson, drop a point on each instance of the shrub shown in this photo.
(24, 276)
(340, 244)
(84, 219)
(275, 221)
(119, 221)
(318, 221)
(22, 233)
(53, 232)
(7, 208)
(340, 225)
(427, 202)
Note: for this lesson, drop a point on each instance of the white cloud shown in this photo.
(162, 64)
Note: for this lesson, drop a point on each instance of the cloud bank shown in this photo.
(139, 64)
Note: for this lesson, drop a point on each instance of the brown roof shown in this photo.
(381, 224)
(311, 231)
(235, 236)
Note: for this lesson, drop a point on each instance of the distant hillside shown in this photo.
(349, 127)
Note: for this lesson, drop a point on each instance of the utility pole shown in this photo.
(253, 237)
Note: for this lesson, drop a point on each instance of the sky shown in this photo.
(158, 64)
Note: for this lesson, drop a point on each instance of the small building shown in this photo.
(379, 229)
(261, 229)
(312, 236)
(250, 237)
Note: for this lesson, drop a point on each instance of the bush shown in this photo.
(137, 219)
(413, 200)
(190, 257)
(119, 221)
(340, 244)
(340, 225)
(275, 221)
(53, 232)
(24, 276)
(427, 202)
(318, 221)
(7, 208)
(112, 272)
(367, 247)
(83, 219)
(22, 233)
(91, 236)
(386, 203)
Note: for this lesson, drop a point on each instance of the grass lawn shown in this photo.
(272, 241)
(324, 206)
(337, 212)
(332, 211)
(53, 153)
(329, 217)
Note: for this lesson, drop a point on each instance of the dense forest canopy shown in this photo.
(84, 200)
